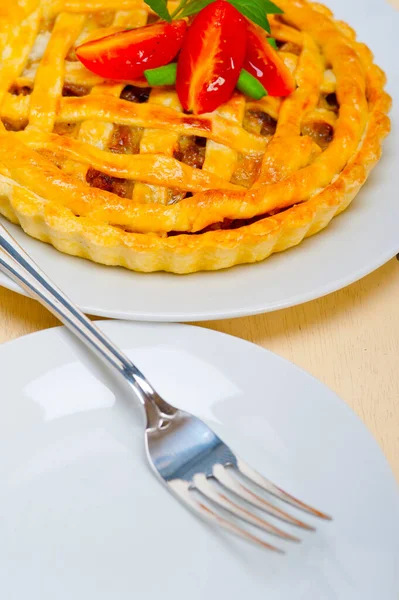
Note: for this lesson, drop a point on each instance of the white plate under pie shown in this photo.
(83, 517)
(353, 245)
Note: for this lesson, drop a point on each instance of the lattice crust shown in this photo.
(118, 173)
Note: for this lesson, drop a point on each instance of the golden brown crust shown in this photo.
(327, 137)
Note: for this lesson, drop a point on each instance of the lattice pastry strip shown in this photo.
(289, 151)
(158, 141)
(50, 74)
(220, 159)
(95, 132)
(53, 7)
(155, 169)
(16, 44)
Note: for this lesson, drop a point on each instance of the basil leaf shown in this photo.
(160, 7)
(272, 42)
(270, 8)
(255, 10)
(193, 7)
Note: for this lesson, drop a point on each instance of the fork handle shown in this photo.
(18, 265)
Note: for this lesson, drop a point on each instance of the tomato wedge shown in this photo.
(127, 54)
(264, 63)
(211, 58)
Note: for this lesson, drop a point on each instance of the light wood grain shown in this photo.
(349, 340)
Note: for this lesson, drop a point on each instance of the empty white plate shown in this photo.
(354, 244)
(83, 517)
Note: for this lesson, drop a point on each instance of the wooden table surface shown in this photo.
(349, 340)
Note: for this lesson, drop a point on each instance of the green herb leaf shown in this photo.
(270, 8)
(255, 10)
(194, 7)
(160, 7)
(272, 42)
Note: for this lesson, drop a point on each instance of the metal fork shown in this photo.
(196, 465)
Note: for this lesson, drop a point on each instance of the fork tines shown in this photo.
(228, 496)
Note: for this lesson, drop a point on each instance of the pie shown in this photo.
(119, 174)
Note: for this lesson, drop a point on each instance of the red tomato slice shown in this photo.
(264, 63)
(127, 54)
(211, 58)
